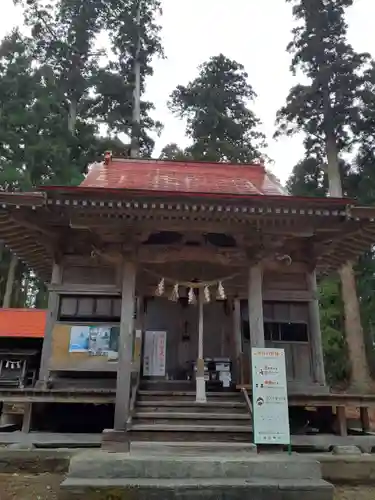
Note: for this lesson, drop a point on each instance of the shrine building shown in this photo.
(171, 271)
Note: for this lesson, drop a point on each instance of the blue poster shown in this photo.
(79, 339)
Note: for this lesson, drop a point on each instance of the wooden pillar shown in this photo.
(342, 425)
(139, 327)
(315, 332)
(124, 368)
(26, 421)
(237, 337)
(255, 300)
(53, 306)
(365, 419)
(200, 394)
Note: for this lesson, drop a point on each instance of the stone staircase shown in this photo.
(168, 412)
(208, 474)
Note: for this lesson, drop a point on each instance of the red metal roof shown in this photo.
(22, 323)
(182, 177)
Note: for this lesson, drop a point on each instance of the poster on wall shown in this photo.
(270, 397)
(154, 354)
(95, 340)
(79, 339)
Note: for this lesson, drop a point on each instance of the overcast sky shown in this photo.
(255, 33)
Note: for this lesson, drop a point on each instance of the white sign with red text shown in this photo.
(270, 397)
(154, 354)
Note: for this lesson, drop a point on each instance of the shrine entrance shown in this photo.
(188, 336)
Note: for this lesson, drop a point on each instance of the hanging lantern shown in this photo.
(220, 292)
(192, 297)
(206, 292)
(160, 289)
(174, 295)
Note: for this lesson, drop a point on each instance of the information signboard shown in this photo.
(154, 354)
(270, 397)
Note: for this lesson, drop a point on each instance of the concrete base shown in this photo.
(200, 390)
(210, 449)
(231, 477)
(209, 489)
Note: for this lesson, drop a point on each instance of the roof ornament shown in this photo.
(207, 295)
(107, 157)
(259, 161)
(160, 288)
(192, 299)
(175, 294)
(220, 292)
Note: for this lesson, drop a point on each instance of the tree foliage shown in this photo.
(216, 107)
(64, 100)
(328, 108)
(173, 152)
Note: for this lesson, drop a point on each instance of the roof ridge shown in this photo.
(183, 162)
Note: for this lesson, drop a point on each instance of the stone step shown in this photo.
(167, 427)
(188, 398)
(181, 436)
(179, 403)
(191, 408)
(137, 420)
(191, 489)
(193, 448)
(104, 465)
(191, 415)
(192, 394)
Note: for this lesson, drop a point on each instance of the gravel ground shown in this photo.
(24, 487)
(360, 493)
(46, 487)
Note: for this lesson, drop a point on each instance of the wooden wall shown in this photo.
(89, 274)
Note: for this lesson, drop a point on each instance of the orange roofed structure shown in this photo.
(183, 177)
(22, 323)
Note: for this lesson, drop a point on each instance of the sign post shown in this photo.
(270, 397)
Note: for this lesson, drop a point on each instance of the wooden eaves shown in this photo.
(35, 226)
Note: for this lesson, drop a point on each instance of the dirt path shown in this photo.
(24, 487)
(46, 487)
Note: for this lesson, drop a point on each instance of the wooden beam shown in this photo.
(232, 225)
(25, 222)
(26, 420)
(52, 313)
(154, 254)
(237, 336)
(341, 421)
(365, 419)
(255, 306)
(125, 346)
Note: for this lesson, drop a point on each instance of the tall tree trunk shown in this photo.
(136, 118)
(41, 299)
(10, 281)
(333, 168)
(360, 379)
(360, 375)
(72, 117)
